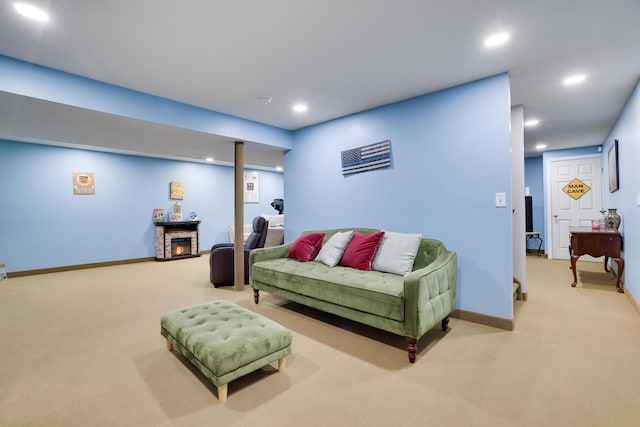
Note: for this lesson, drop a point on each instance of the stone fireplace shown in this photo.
(175, 240)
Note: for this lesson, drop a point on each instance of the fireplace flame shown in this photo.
(180, 246)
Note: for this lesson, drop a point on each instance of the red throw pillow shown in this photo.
(361, 250)
(306, 247)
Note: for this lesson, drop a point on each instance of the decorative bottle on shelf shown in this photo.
(612, 220)
(176, 215)
(603, 223)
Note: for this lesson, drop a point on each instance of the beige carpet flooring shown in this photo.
(83, 348)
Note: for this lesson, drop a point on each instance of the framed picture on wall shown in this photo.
(176, 190)
(251, 187)
(614, 185)
(83, 183)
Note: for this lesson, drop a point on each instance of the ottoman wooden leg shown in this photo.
(222, 393)
(412, 344)
(281, 364)
(169, 345)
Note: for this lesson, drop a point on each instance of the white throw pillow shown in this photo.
(333, 249)
(396, 253)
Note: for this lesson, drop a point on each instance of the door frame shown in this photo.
(548, 215)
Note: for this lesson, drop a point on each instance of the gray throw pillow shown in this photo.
(333, 249)
(396, 253)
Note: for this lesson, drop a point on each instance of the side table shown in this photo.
(597, 243)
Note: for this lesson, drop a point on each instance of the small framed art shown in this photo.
(614, 177)
(83, 183)
(176, 190)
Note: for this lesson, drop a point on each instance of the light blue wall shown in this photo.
(44, 225)
(34, 81)
(271, 187)
(450, 157)
(128, 187)
(627, 132)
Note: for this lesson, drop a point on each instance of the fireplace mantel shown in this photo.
(171, 237)
(177, 224)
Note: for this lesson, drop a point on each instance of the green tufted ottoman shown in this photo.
(225, 341)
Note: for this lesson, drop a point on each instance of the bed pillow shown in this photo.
(396, 253)
(306, 247)
(332, 250)
(361, 250)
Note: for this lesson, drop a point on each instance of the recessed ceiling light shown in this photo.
(572, 80)
(31, 12)
(532, 122)
(541, 146)
(279, 168)
(496, 39)
(300, 108)
(209, 159)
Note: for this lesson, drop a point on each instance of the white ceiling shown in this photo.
(338, 56)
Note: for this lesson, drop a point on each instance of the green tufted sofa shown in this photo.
(405, 305)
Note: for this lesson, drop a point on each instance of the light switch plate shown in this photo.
(501, 200)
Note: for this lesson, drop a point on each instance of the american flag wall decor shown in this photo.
(369, 157)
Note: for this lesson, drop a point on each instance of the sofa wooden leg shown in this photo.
(222, 393)
(411, 347)
(256, 295)
(445, 323)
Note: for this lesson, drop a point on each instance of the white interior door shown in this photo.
(565, 210)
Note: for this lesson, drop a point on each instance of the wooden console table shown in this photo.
(597, 243)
